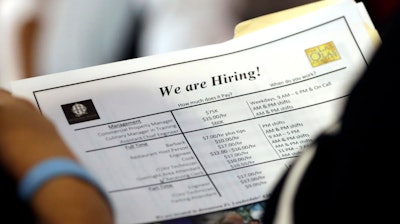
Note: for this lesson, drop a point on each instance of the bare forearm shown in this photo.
(70, 200)
(27, 139)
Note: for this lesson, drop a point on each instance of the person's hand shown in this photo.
(26, 136)
(26, 139)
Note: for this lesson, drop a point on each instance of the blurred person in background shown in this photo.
(43, 37)
(349, 175)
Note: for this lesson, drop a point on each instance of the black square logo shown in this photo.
(80, 111)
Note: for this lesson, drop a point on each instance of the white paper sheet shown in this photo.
(211, 128)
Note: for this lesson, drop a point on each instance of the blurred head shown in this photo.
(232, 218)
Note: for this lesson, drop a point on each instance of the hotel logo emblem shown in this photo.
(81, 111)
(322, 54)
